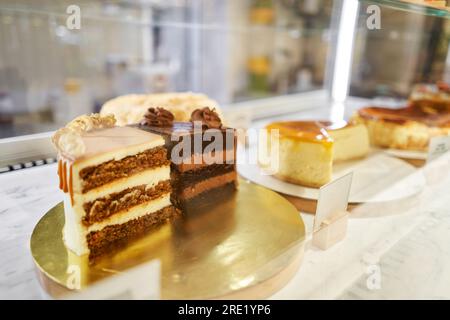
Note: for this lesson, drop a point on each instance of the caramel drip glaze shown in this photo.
(65, 184)
(60, 174)
(310, 131)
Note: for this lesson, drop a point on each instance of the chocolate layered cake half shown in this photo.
(202, 153)
(116, 182)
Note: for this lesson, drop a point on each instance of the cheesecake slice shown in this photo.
(408, 128)
(307, 149)
(350, 140)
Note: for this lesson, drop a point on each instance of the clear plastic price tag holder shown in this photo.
(331, 231)
(438, 146)
(331, 219)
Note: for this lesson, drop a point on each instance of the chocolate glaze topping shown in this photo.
(158, 117)
(209, 118)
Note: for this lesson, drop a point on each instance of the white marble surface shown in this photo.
(408, 241)
(25, 195)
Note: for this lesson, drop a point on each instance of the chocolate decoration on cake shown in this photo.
(208, 117)
(158, 117)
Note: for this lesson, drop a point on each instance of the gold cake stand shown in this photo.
(247, 247)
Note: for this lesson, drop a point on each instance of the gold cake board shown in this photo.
(247, 247)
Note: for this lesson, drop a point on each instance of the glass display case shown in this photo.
(236, 51)
(369, 65)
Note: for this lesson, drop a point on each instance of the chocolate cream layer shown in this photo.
(207, 184)
(208, 200)
(104, 207)
(96, 176)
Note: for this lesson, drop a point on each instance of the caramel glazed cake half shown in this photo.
(116, 182)
(203, 168)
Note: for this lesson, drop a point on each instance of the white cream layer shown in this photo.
(115, 143)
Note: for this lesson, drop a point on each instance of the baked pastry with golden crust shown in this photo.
(408, 128)
(130, 109)
(431, 97)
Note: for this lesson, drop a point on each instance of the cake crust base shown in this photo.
(298, 182)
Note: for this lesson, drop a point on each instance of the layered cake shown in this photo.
(431, 98)
(116, 182)
(408, 128)
(130, 109)
(202, 153)
(307, 149)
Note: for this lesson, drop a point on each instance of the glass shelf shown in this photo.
(131, 14)
(413, 6)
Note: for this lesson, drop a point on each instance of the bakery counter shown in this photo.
(396, 250)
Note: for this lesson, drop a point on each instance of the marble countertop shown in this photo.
(404, 246)
(398, 250)
(25, 196)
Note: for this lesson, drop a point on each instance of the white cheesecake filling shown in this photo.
(350, 142)
(304, 163)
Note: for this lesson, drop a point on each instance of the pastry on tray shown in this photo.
(409, 128)
(121, 182)
(431, 98)
(308, 149)
(130, 109)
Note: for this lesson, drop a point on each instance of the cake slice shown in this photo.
(116, 182)
(202, 154)
(350, 140)
(307, 149)
(408, 128)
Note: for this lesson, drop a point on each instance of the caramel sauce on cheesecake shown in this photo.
(308, 131)
(404, 115)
